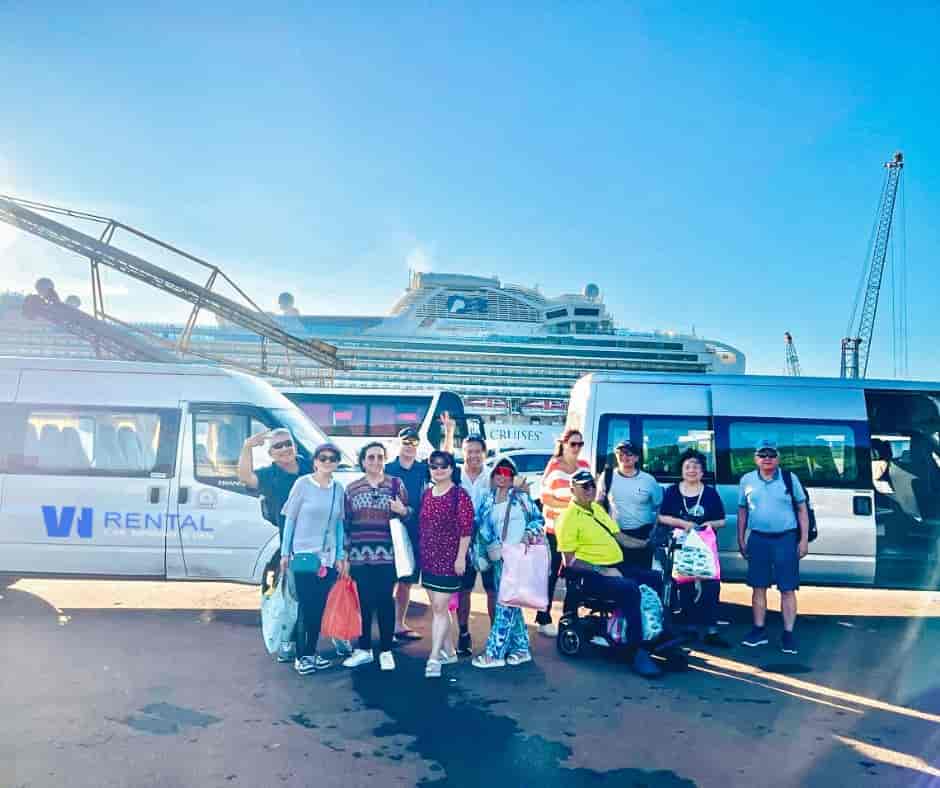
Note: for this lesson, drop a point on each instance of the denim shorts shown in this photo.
(773, 559)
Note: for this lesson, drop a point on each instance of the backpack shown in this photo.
(813, 532)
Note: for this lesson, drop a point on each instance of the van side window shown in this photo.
(217, 443)
(96, 441)
(666, 439)
(818, 453)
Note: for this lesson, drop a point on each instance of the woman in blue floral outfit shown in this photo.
(506, 515)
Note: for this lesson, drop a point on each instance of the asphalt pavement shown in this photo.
(168, 684)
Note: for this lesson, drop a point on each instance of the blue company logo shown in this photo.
(59, 522)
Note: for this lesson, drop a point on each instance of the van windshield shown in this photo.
(305, 432)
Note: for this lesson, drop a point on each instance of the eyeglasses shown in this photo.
(439, 466)
(375, 458)
(627, 453)
(586, 485)
(767, 455)
(575, 444)
(409, 441)
(282, 445)
(328, 458)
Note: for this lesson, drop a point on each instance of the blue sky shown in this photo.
(712, 168)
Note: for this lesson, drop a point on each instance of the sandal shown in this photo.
(448, 659)
(518, 658)
(486, 661)
(433, 669)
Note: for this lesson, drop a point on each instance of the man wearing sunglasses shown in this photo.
(275, 481)
(778, 539)
(591, 543)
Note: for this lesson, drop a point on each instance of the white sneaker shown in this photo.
(359, 657)
(549, 630)
(387, 660)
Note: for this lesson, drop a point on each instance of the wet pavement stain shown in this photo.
(165, 719)
(430, 712)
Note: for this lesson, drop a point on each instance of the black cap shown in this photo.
(628, 447)
(408, 432)
(582, 477)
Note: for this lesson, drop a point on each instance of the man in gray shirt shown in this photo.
(633, 500)
(779, 538)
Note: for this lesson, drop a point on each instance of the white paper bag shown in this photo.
(404, 553)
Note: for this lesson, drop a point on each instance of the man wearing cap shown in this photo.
(633, 501)
(416, 476)
(591, 544)
(778, 539)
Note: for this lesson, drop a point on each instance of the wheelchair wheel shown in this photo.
(569, 642)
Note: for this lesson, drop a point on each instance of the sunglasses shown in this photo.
(575, 444)
(282, 445)
(627, 452)
(767, 455)
(328, 458)
(586, 485)
(505, 472)
(439, 466)
(409, 441)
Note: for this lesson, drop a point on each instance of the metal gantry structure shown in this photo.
(856, 345)
(793, 360)
(25, 215)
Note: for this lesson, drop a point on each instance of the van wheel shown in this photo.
(570, 642)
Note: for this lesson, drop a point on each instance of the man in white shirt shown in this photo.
(475, 479)
(632, 497)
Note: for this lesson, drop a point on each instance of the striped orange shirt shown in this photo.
(556, 481)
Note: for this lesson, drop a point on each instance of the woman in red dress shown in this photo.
(445, 523)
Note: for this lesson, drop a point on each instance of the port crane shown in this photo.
(856, 345)
(793, 360)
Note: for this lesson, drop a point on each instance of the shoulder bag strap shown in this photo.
(506, 518)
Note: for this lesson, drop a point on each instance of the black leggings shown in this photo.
(312, 591)
(375, 584)
(545, 616)
(704, 612)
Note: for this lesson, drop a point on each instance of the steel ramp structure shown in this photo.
(15, 212)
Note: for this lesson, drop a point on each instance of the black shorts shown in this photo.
(470, 579)
(444, 584)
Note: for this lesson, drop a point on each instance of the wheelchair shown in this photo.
(577, 631)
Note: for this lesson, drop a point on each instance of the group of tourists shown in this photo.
(600, 533)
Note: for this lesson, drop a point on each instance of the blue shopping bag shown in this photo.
(279, 612)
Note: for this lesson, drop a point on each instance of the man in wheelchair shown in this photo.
(591, 544)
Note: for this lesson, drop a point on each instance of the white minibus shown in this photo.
(868, 451)
(127, 469)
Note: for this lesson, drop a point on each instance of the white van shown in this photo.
(127, 469)
(867, 451)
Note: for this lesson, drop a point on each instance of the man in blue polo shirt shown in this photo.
(779, 538)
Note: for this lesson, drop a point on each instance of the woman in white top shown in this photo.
(506, 516)
(313, 545)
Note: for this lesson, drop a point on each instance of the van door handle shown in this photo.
(153, 495)
(183, 495)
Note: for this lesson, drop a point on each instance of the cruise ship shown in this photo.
(506, 349)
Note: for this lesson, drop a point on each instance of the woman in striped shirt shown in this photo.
(556, 494)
